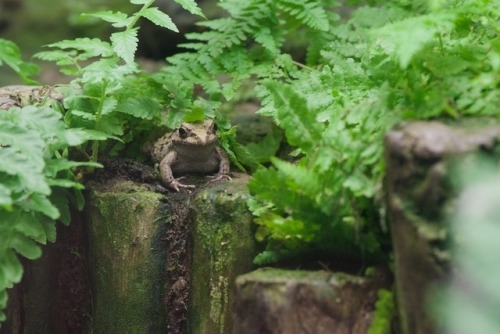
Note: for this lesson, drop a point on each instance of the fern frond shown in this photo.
(306, 181)
(302, 129)
(310, 13)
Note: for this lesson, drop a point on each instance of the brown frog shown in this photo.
(192, 148)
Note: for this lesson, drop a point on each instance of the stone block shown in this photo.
(277, 301)
(425, 161)
(223, 247)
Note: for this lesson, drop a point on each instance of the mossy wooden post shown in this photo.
(127, 258)
(223, 248)
(421, 158)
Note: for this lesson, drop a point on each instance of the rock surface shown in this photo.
(276, 301)
(167, 262)
(223, 247)
(126, 258)
(422, 159)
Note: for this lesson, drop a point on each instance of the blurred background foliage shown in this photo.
(22, 22)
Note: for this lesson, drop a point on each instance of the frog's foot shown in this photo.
(175, 184)
(217, 177)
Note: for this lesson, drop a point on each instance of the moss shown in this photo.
(223, 248)
(127, 259)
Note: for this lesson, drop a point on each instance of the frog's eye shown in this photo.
(183, 133)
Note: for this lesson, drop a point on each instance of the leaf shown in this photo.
(26, 247)
(60, 198)
(109, 105)
(58, 56)
(125, 44)
(76, 136)
(11, 269)
(306, 180)
(300, 124)
(28, 225)
(190, 6)
(139, 2)
(84, 114)
(266, 148)
(23, 158)
(40, 203)
(141, 107)
(54, 166)
(407, 37)
(93, 46)
(5, 196)
(117, 19)
(11, 55)
(360, 185)
(265, 38)
(309, 12)
(64, 183)
(159, 18)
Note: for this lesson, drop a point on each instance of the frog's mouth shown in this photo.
(195, 142)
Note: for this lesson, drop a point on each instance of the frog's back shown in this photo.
(161, 147)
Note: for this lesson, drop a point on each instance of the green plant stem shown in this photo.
(95, 143)
(137, 16)
(303, 66)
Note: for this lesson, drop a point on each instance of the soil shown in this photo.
(177, 265)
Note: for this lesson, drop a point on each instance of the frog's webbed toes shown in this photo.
(175, 185)
(217, 177)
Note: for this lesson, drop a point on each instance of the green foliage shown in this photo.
(384, 313)
(106, 106)
(11, 56)
(387, 61)
(247, 43)
(467, 303)
(36, 178)
(384, 64)
(108, 94)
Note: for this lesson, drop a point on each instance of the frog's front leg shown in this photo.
(223, 165)
(166, 175)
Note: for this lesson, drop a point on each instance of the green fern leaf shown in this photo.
(125, 44)
(11, 269)
(40, 203)
(142, 107)
(190, 6)
(264, 37)
(27, 224)
(22, 162)
(299, 122)
(5, 197)
(159, 18)
(407, 37)
(84, 115)
(306, 180)
(220, 25)
(309, 12)
(10, 54)
(117, 19)
(94, 47)
(25, 246)
(109, 105)
(49, 226)
(60, 57)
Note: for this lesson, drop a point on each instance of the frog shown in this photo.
(191, 148)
